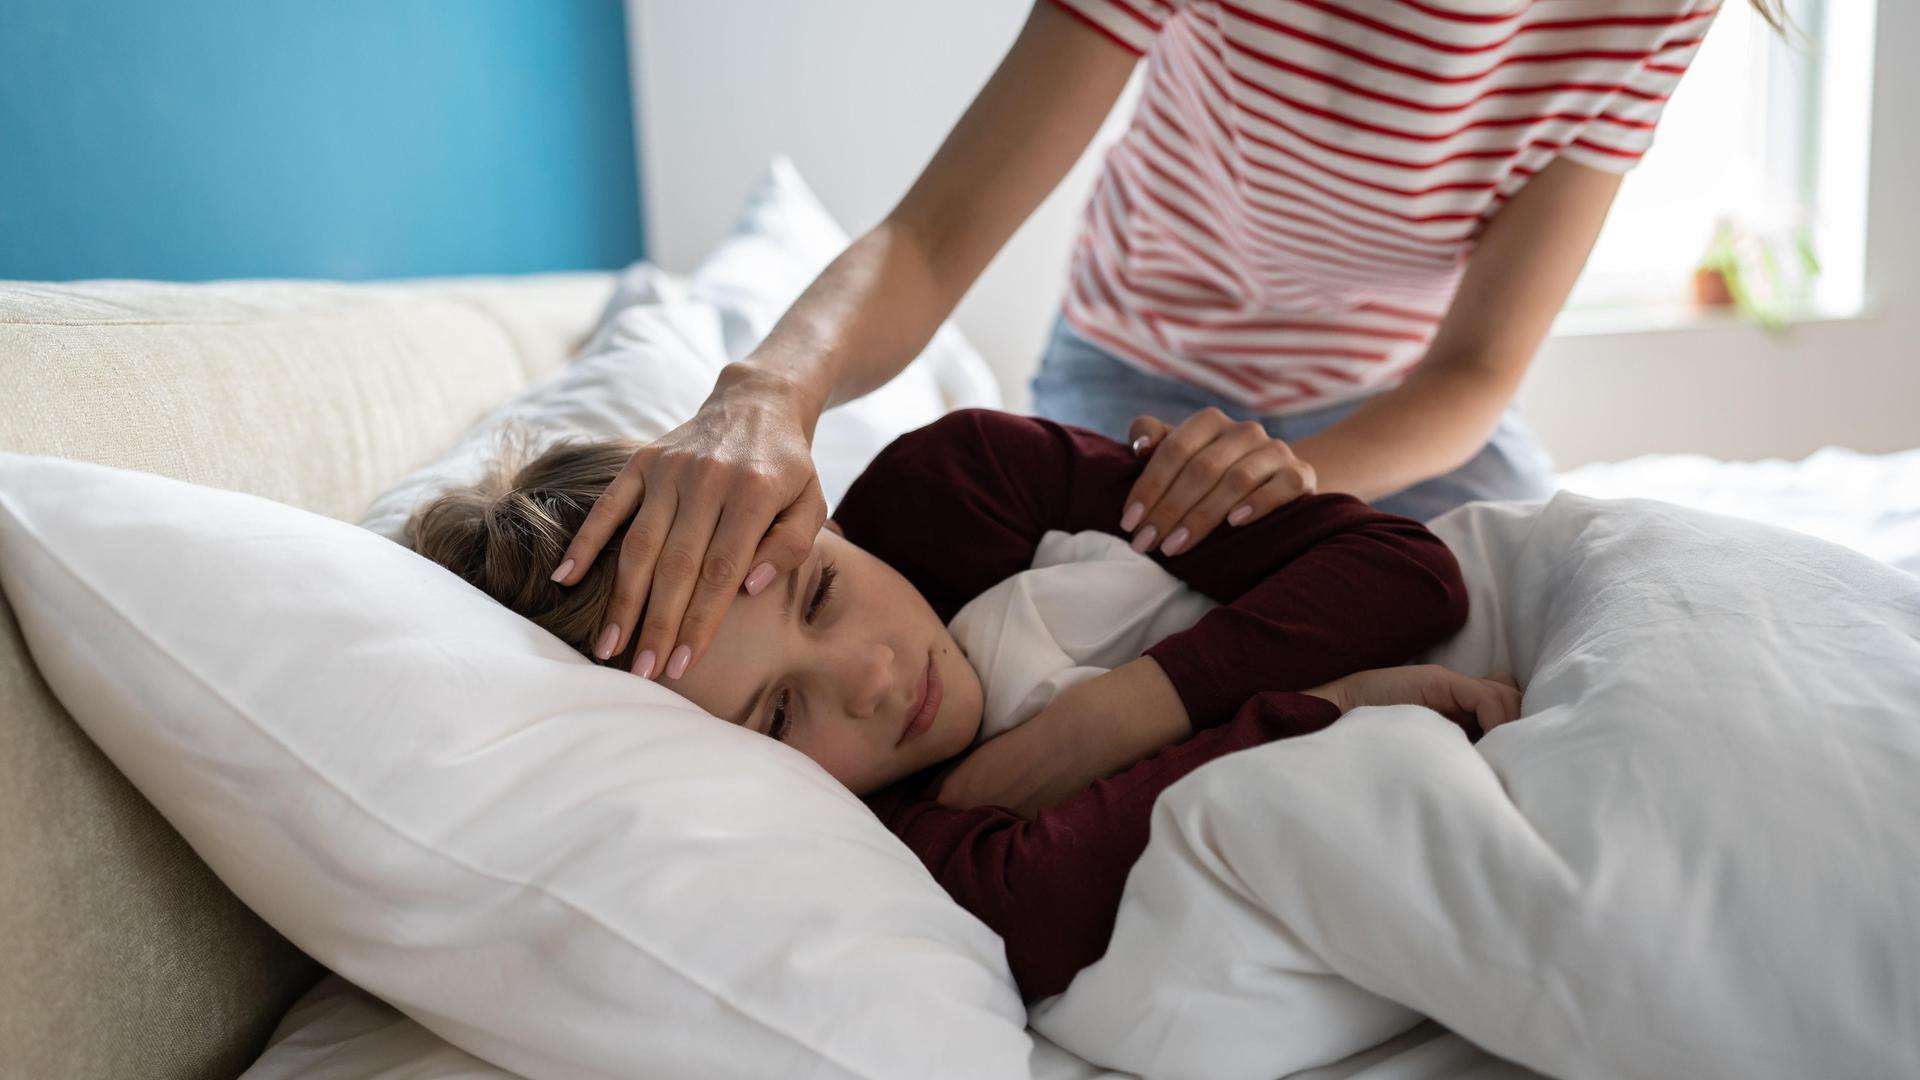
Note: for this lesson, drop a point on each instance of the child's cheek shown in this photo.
(844, 764)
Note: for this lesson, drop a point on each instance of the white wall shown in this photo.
(860, 92)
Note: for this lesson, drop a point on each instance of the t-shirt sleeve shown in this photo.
(1050, 887)
(1622, 133)
(1132, 23)
(1320, 587)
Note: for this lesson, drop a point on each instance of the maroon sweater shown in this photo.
(1320, 588)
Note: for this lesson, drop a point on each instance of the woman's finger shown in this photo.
(1145, 433)
(1202, 472)
(610, 511)
(790, 541)
(1288, 482)
(1191, 471)
(675, 573)
(1235, 487)
(777, 551)
(633, 573)
(1170, 455)
(728, 565)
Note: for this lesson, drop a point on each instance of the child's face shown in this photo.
(841, 676)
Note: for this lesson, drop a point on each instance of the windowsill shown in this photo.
(1665, 318)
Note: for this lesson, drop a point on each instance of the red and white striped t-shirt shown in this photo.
(1290, 211)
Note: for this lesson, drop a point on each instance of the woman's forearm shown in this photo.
(1428, 426)
(862, 320)
(875, 307)
(1516, 281)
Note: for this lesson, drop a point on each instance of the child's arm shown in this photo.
(1095, 729)
(1321, 587)
(1088, 732)
(1051, 886)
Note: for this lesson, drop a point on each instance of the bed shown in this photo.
(138, 960)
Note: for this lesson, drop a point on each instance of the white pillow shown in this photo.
(641, 374)
(782, 241)
(337, 1032)
(661, 343)
(559, 868)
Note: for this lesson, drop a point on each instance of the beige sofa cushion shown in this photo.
(126, 956)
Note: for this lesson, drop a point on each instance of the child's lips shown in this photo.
(926, 703)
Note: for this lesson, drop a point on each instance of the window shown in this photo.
(1767, 135)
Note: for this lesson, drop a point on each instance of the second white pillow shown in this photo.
(662, 341)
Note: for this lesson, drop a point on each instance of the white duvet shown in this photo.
(1696, 855)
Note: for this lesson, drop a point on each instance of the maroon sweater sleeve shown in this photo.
(1051, 887)
(1319, 588)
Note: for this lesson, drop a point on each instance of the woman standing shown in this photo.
(1345, 225)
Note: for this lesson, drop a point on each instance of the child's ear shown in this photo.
(834, 527)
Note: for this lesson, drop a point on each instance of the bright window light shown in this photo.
(1766, 136)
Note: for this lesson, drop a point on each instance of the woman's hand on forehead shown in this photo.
(727, 500)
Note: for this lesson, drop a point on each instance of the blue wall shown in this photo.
(195, 139)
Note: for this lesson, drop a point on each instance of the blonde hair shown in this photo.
(506, 533)
(1774, 12)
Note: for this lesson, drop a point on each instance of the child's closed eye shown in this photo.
(822, 592)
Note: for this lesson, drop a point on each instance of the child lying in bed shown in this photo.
(850, 661)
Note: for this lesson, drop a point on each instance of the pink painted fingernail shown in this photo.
(565, 569)
(1240, 515)
(608, 639)
(643, 664)
(1176, 541)
(759, 578)
(1140, 445)
(1132, 517)
(1143, 540)
(677, 663)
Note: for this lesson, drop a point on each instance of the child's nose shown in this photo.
(869, 679)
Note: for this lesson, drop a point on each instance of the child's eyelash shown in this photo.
(778, 726)
(823, 593)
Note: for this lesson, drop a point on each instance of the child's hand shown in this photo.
(1207, 470)
(1491, 701)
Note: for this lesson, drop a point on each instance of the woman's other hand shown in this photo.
(728, 498)
(1208, 470)
(1490, 702)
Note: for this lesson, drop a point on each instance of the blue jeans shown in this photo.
(1080, 383)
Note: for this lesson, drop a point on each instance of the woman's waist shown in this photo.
(1269, 361)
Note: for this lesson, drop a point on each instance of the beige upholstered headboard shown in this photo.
(125, 956)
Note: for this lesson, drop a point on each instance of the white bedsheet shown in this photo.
(1869, 502)
(1428, 1052)
(340, 1032)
